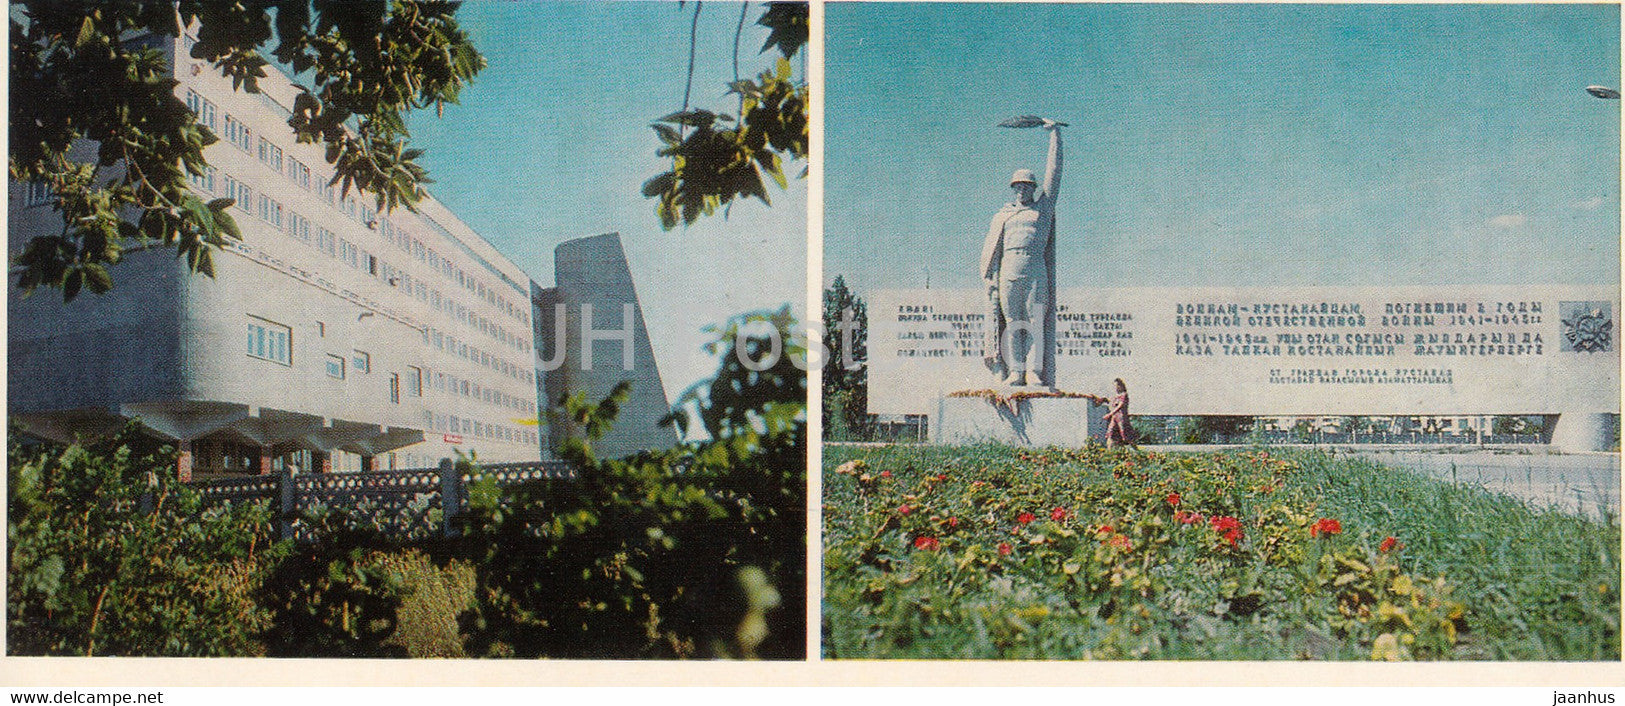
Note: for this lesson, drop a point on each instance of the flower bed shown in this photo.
(992, 552)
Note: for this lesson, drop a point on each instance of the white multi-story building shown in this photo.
(333, 336)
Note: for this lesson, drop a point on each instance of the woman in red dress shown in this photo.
(1118, 431)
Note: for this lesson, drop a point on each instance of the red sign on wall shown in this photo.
(452, 438)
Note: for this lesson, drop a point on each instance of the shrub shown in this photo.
(110, 554)
(435, 594)
(697, 551)
(331, 596)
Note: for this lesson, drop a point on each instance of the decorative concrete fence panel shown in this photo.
(406, 504)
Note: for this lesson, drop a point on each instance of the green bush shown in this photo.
(697, 551)
(331, 596)
(435, 594)
(111, 555)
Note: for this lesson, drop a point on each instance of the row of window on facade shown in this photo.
(415, 248)
(451, 384)
(221, 455)
(272, 211)
(268, 340)
(241, 136)
(300, 228)
(443, 341)
(1382, 424)
(37, 194)
(452, 424)
(271, 341)
(268, 153)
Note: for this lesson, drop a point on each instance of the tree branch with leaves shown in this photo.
(717, 157)
(94, 115)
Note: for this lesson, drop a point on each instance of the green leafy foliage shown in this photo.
(846, 385)
(436, 591)
(696, 551)
(992, 552)
(332, 596)
(1509, 425)
(789, 26)
(718, 157)
(758, 391)
(111, 555)
(94, 115)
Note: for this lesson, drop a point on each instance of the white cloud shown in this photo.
(1590, 204)
(1508, 220)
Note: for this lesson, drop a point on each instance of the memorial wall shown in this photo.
(1277, 351)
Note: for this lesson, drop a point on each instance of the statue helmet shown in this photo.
(1023, 176)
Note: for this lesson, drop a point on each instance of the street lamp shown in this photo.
(1603, 92)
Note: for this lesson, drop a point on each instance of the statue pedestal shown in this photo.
(1026, 421)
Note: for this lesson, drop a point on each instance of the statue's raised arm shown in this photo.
(1052, 167)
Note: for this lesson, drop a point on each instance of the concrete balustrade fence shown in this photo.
(406, 504)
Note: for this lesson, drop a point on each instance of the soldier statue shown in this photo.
(1018, 270)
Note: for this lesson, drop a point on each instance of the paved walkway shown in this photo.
(1582, 484)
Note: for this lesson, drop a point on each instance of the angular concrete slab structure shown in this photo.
(610, 347)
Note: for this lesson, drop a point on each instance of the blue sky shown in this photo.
(1243, 145)
(552, 143)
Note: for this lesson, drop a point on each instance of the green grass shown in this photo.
(1478, 575)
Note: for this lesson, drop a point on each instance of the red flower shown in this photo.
(1103, 529)
(1058, 514)
(1227, 527)
(953, 522)
(904, 509)
(1326, 526)
(942, 476)
(927, 543)
(1121, 542)
(1026, 517)
(885, 474)
(1005, 549)
(1173, 499)
(1389, 545)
